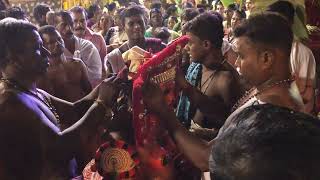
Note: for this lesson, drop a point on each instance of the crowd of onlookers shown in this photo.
(248, 88)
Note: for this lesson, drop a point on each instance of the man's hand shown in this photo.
(181, 80)
(108, 90)
(153, 98)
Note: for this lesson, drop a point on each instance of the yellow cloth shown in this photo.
(136, 57)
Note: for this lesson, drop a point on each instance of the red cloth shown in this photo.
(148, 129)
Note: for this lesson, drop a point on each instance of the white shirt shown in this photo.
(302, 61)
(89, 54)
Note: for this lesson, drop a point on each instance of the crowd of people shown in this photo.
(245, 108)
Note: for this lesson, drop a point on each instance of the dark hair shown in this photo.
(268, 142)
(65, 16)
(174, 18)
(13, 34)
(208, 26)
(154, 10)
(188, 5)
(232, 7)
(162, 33)
(268, 30)
(79, 10)
(91, 10)
(171, 9)
(189, 13)
(47, 29)
(218, 3)
(132, 11)
(201, 10)
(241, 13)
(285, 8)
(156, 5)
(40, 10)
(111, 6)
(16, 12)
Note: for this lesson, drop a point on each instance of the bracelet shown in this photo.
(108, 111)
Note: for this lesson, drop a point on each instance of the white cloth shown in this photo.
(89, 54)
(225, 47)
(302, 61)
(115, 59)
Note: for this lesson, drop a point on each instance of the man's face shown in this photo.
(196, 49)
(79, 24)
(134, 27)
(54, 43)
(235, 20)
(65, 28)
(33, 59)
(156, 19)
(248, 60)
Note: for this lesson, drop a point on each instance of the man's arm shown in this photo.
(93, 61)
(194, 148)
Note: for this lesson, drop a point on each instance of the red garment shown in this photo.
(161, 69)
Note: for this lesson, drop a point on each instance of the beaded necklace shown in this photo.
(253, 92)
(45, 100)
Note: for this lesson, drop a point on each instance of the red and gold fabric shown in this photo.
(160, 69)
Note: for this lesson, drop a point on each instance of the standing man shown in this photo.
(213, 85)
(40, 12)
(263, 45)
(134, 24)
(33, 145)
(81, 30)
(79, 48)
(66, 77)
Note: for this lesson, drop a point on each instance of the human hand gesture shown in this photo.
(108, 90)
(181, 81)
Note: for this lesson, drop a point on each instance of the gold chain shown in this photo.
(247, 96)
(45, 99)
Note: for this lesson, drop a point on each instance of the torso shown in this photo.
(35, 138)
(208, 86)
(64, 81)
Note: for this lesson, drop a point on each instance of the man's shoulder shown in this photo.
(85, 43)
(301, 48)
(15, 104)
(74, 62)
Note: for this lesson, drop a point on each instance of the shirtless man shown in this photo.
(66, 77)
(33, 146)
(134, 25)
(263, 45)
(217, 81)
